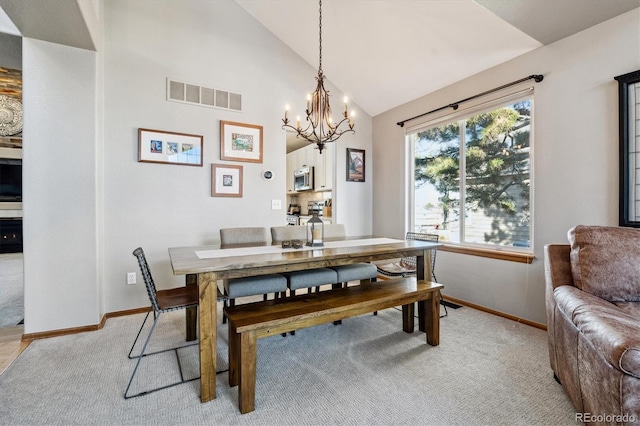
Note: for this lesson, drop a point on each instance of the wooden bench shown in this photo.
(249, 322)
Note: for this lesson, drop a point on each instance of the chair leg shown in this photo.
(445, 307)
(138, 336)
(144, 347)
(143, 354)
(224, 316)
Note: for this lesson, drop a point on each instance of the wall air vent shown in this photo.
(189, 93)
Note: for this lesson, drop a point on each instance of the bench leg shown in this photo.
(248, 357)
(429, 318)
(407, 318)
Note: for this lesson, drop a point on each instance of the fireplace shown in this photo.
(10, 235)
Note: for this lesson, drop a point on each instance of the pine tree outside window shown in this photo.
(471, 175)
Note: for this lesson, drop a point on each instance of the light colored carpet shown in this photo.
(11, 289)
(487, 370)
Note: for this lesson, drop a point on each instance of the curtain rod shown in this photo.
(537, 77)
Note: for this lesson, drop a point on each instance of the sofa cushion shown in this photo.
(605, 261)
(631, 308)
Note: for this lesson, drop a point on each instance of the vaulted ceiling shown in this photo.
(381, 53)
(384, 53)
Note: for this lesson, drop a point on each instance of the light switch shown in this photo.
(276, 204)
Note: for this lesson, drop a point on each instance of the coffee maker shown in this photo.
(315, 207)
(294, 209)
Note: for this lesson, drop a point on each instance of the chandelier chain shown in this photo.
(320, 38)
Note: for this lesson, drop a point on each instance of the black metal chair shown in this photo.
(161, 301)
(407, 266)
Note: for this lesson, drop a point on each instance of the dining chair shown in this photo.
(161, 301)
(355, 271)
(309, 278)
(288, 233)
(250, 286)
(406, 266)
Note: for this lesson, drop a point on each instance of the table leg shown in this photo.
(423, 266)
(207, 286)
(192, 313)
(407, 318)
(248, 358)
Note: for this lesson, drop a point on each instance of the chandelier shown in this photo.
(320, 128)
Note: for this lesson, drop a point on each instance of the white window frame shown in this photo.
(499, 99)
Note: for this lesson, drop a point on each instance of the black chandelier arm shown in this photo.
(313, 137)
(535, 77)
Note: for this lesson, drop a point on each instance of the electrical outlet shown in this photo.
(276, 204)
(131, 277)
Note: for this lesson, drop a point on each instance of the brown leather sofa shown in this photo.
(593, 321)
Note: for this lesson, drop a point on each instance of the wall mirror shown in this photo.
(629, 131)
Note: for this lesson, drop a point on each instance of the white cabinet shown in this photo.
(303, 157)
(291, 158)
(323, 164)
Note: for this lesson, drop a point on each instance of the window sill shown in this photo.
(491, 254)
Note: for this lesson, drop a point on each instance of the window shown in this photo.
(471, 175)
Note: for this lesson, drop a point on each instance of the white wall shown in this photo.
(156, 206)
(59, 179)
(575, 158)
(89, 203)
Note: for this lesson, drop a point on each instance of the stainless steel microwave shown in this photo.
(303, 179)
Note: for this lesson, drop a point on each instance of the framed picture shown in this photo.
(240, 142)
(355, 165)
(158, 146)
(226, 180)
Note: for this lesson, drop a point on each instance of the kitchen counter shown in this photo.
(305, 218)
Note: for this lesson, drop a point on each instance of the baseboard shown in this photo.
(494, 312)
(128, 312)
(74, 330)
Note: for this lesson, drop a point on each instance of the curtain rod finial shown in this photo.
(538, 78)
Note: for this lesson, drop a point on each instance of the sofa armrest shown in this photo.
(557, 265)
(614, 334)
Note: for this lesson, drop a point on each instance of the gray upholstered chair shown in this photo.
(309, 278)
(245, 235)
(287, 233)
(354, 272)
(297, 280)
(250, 286)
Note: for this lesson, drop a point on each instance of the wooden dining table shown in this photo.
(205, 265)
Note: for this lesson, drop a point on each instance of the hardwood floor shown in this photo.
(11, 345)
